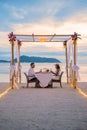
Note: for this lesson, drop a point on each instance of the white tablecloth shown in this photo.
(44, 78)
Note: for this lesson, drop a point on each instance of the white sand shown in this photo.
(3, 86)
(83, 86)
(43, 109)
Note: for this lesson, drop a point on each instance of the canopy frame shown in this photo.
(44, 38)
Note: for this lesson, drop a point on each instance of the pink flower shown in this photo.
(65, 43)
(74, 37)
(19, 42)
(12, 37)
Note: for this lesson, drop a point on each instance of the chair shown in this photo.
(28, 81)
(58, 80)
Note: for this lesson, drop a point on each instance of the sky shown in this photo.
(43, 17)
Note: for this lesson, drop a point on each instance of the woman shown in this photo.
(57, 67)
(56, 73)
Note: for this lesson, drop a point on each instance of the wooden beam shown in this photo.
(66, 53)
(39, 41)
(33, 37)
(61, 35)
(52, 37)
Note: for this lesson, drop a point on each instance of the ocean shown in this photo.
(5, 69)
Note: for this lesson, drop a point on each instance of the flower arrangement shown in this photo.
(44, 70)
(19, 43)
(12, 37)
(65, 44)
(74, 38)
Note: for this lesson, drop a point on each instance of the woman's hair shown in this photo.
(57, 66)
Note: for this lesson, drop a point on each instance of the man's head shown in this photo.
(32, 65)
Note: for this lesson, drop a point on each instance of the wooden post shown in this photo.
(74, 38)
(75, 77)
(71, 73)
(66, 54)
(12, 63)
(12, 38)
(66, 63)
(19, 66)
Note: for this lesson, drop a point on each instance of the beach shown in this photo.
(43, 109)
(4, 86)
(43, 66)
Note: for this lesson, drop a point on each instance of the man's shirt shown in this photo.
(31, 73)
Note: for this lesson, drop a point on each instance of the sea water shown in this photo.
(5, 69)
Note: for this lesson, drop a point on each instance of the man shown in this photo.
(31, 74)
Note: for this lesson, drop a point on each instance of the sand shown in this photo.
(3, 86)
(43, 109)
(83, 86)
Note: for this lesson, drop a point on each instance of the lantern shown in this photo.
(42, 39)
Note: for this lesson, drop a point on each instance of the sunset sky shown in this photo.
(42, 17)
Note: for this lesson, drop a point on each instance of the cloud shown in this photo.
(79, 17)
(50, 25)
(19, 13)
(35, 11)
(4, 42)
(46, 28)
(15, 12)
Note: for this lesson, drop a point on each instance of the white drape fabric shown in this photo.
(14, 74)
(18, 57)
(44, 78)
(12, 71)
(76, 69)
(70, 52)
(17, 52)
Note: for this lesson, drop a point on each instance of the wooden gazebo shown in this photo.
(19, 38)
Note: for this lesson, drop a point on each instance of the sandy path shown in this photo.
(43, 109)
(83, 86)
(3, 86)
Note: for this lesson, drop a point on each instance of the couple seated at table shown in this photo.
(32, 77)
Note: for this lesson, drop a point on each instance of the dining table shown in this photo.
(44, 78)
